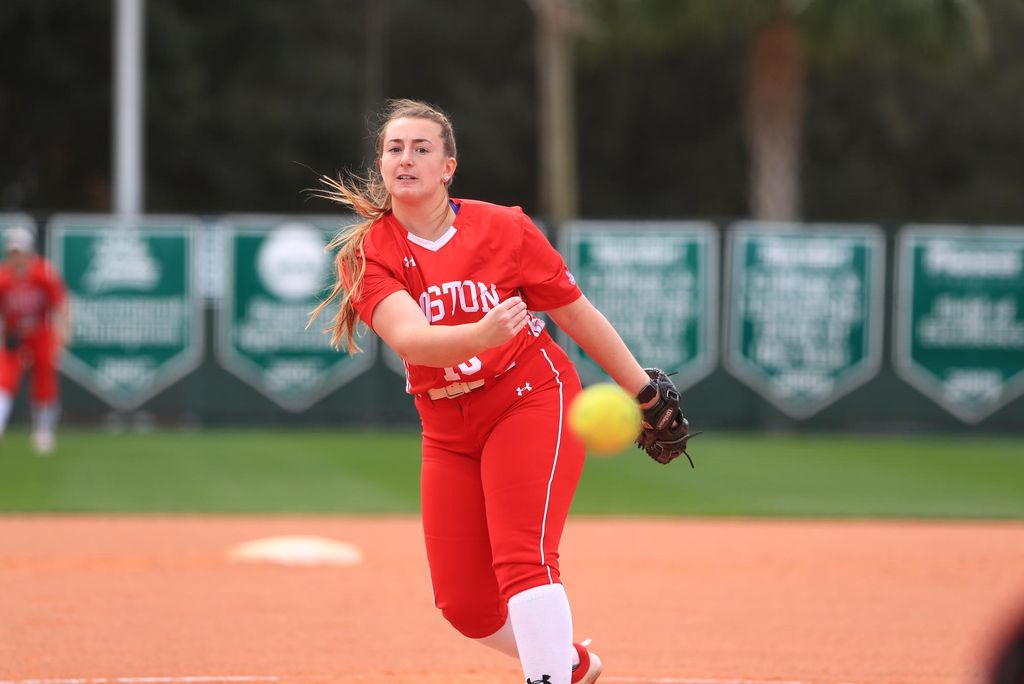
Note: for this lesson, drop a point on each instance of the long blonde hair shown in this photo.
(368, 197)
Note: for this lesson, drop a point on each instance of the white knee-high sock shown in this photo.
(503, 640)
(44, 417)
(542, 623)
(6, 403)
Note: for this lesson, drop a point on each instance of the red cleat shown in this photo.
(589, 668)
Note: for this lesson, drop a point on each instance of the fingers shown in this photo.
(507, 319)
(514, 315)
(518, 314)
(513, 304)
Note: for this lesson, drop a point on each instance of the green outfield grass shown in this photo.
(305, 471)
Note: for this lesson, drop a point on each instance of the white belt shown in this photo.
(456, 389)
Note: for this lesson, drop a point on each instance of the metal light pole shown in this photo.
(128, 152)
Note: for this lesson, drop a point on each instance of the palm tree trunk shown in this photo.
(556, 113)
(775, 101)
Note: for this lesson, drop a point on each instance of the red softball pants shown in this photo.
(499, 471)
(41, 351)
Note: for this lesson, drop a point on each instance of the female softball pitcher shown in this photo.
(450, 284)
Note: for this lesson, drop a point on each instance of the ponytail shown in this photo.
(368, 198)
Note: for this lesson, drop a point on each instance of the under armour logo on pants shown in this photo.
(544, 679)
(521, 391)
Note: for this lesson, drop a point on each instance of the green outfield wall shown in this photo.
(183, 320)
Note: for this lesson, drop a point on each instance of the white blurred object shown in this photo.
(44, 443)
(20, 239)
(297, 550)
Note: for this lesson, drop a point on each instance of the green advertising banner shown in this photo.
(277, 272)
(804, 322)
(656, 282)
(959, 316)
(137, 324)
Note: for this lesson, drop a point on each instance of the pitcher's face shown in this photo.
(413, 161)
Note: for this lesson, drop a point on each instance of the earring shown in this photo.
(445, 179)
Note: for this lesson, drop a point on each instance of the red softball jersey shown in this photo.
(489, 254)
(26, 302)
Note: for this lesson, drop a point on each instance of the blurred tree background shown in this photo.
(907, 111)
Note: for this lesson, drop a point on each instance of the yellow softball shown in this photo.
(605, 418)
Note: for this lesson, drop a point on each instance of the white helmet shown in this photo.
(19, 239)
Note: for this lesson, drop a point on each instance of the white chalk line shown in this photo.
(702, 680)
(199, 679)
(252, 679)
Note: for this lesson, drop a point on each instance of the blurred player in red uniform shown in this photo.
(450, 284)
(34, 310)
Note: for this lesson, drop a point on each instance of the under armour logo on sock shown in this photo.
(521, 391)
(544, 679)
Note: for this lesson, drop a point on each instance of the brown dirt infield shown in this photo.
(667, 601)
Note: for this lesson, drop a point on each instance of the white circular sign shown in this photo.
(292, 262)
